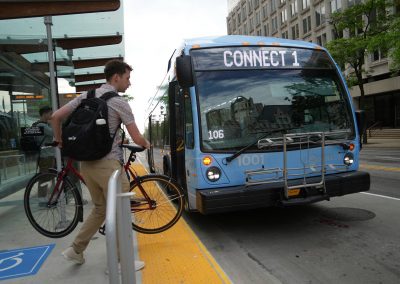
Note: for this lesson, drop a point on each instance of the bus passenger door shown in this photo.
(190, 153)
(177, 143)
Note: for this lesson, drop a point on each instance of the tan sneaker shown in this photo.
(71, 255)
(138, 266)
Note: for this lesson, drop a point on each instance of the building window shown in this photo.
(273, 6)
(258, 32)
(281, 2)
(353, 2)
(250, 6)
(238, 19)
(258, 20)
(244, 15)
(321, 40)
(378, 55)
(264, 12)
(285, 34)
(245, 29)
(336, 5)
(293, 8)
(295, 32)
(283, 16)
(274, 24)
(266, 30)
(256, 3)
(306, 4)
(251, 24)
(319, 14)
(337, 34)
(306, 25)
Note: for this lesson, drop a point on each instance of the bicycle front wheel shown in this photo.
(54, 218)
(157, 204)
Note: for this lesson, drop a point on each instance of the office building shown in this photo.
(308, 20)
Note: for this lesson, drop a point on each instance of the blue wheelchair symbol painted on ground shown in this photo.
(23, 262)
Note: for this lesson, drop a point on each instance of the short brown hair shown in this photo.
(115, 66)
(44, 110)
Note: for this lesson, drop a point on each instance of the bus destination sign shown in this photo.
(259, 58)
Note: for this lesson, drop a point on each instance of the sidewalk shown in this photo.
(16, 233)
(173, 256)
(382, 143)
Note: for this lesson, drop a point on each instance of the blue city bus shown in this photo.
(244, 122)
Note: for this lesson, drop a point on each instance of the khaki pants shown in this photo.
(96, 175)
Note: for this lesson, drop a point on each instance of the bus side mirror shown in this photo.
(184, 71)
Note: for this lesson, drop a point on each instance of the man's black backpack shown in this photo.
(85, 134)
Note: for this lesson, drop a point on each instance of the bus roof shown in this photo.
(241, 40)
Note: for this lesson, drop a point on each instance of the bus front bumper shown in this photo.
(235, 198)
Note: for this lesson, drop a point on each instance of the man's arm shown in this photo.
(56, 120)
(137, 136)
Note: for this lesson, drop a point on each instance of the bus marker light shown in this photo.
(207, 161)
(351, 147)
(196, 46)
(245, 43)
(294, 192)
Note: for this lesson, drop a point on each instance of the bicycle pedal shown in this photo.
(102, 230)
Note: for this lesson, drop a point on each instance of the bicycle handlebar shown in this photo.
(133, 148)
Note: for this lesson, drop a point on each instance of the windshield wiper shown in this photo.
(244, 149)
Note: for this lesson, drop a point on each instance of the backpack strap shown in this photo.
(109, 95)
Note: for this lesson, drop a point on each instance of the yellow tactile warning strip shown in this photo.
(380, 168)
(177, 256)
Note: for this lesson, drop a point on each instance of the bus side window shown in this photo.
(189, 134)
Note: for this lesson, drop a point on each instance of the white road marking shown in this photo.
(389, 158)
(383, 196)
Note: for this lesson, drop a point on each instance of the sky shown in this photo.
(153, 30)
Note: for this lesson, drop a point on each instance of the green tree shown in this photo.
(128, 97)
(393, 37)
(366, 27)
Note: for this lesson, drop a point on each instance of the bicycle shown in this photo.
(156, 206)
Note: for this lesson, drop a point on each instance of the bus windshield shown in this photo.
(237, 107)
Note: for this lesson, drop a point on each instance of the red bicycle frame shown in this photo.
(60, 178)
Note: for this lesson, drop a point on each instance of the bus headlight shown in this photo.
(348, 159)
(213, 174)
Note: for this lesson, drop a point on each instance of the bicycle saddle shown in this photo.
(133, 148)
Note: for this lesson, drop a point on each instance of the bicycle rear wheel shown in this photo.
(58, 217)
(163, 207)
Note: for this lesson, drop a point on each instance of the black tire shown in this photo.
(46, 218)
(167, 204)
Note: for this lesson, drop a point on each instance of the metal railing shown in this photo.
(118, 219)
(374, 127)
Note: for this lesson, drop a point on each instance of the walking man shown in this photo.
(97, 173)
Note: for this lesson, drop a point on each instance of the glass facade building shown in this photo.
(82, 44)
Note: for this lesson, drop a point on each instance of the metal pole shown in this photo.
(111, 228)
(48, 22)
(125, 236)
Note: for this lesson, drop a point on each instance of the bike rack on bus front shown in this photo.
(288, 174)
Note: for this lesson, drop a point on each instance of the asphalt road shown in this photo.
(350, 239)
